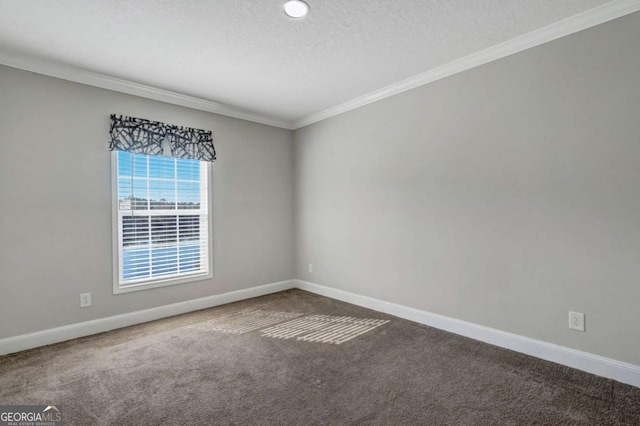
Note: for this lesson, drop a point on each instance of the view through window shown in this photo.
(162, 216)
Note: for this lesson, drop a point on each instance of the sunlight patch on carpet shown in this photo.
(323, 328)
(244, 322)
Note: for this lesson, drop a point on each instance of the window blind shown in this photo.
(163, 221)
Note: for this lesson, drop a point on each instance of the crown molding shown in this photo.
(582, 21)
(587, 19)
(79, 75)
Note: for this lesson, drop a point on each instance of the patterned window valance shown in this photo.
(141, 136)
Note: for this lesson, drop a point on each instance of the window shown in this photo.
(160, 209)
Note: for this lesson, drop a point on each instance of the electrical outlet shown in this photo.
(311, 268)
(576, 321)
(85, 300)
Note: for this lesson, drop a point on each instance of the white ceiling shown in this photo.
(247, 54)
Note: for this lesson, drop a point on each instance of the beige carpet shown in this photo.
(294, 358)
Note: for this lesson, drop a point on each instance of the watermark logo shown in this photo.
(30, 415)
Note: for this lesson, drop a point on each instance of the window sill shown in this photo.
(117, 289)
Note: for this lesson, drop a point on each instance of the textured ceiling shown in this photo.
(248, 54)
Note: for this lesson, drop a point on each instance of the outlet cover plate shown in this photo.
(85, 300)
(576, 321)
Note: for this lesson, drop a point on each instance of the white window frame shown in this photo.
(115, 232)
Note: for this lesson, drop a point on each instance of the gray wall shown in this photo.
(55, 203)
(506, 195)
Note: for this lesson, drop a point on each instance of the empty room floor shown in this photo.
(296, 358)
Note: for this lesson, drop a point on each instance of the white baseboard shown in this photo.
(594, 364)
(86, 328)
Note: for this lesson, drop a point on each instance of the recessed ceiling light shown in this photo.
(296, 9)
